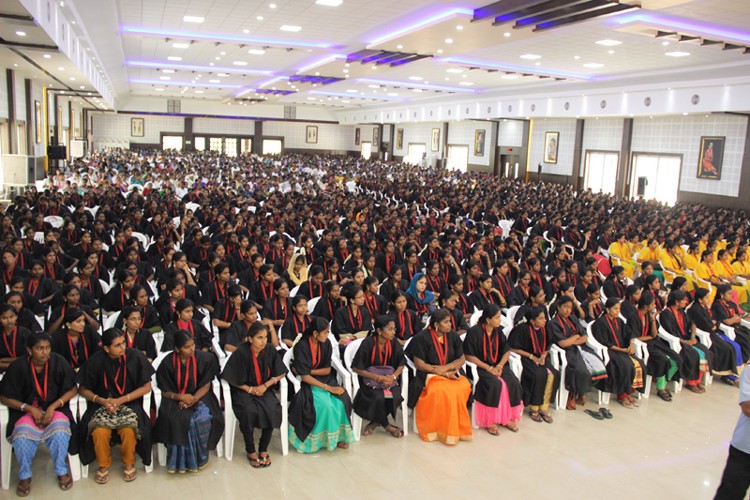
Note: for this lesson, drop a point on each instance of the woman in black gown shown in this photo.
(724, 354)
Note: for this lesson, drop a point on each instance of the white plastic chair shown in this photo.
(349, 353)
(312, 303)
(475, 317)
(705, 338)
(111, 320)
(603, 353)
(559, 361)
(105, 286)
(55, 221)
(142, 238)
(674, 344)
(6, 455)
(294, 291)
(512, 310)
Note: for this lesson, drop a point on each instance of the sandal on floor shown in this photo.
(493, 430)
(604, 412)
(342, 445)
(129, 474)
(370, 428)
(255, 463)
(394, 431)
(24, 488)
(546, 417)
(693, 388)
(664, 395)
(627, 403)
(65, 482)
(265, 461)
(581, 400)
(534, 415)
(512, 427)
(594, 414)
(102, 476)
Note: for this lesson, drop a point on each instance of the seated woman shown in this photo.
(695, 357)
(498, 393)
(502, 280)
(592, 306)
(119, 295)
(485, 294)
(278, 307)
(313, 287)
(537, 298)
(227, 310)
(76, 341)
(26, 317)
(585, 369)
(329, 302)
(625, 371)
(37, 388)
(185, 321)
(728, 313)
(297, 322)
(614, 285)
(418, 298)
(538, 379)
(374, 302)
(378, 363)
(319, 412)
(726, 360)
(352, 319)
(520, 293)
(440, 390)
(296, 272)
(456, 285)
(652, 286)
(639, 311)
(72, 296)
(724, 270)
(149, 315)
(114, 381)
(251, 370)
(237, 333)
(620, 249)
(394, 283)
(13, 336)
(137, 337)
(449, 301)
(190, 421)
(408, 323)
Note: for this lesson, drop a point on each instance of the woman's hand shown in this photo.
(110, 405)
(187, 400)
(36, 413)
(336, 391)
(631, 349)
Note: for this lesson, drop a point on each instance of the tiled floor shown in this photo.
(660, 450)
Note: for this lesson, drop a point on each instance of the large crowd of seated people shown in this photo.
(215, 281)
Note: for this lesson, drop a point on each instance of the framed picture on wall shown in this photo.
(376, 138)
(551, 142)
(711, 158)
(479, 138)
(400, 138)
(137, 128)
(435, 142)
(357, 138)
(311, 135)
(38, 121)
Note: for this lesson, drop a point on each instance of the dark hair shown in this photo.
(37, 337)
(255, 329)
(533, 313)
(611, 302)
(489, 312)
(631, 290)
(72, 315)
(350, 290)
(722, 289)
(315, 270)
(297, 299)
(382, 320)
(234, 291)
(646, 300)
(247, 305)
(317, 324)
(564, 299)
(181, 337)
(183, 304)
(677, 283)
(127, 311)
(675, 296)
(109, 335)
(699, 294)
(7, 307)
(439, 315)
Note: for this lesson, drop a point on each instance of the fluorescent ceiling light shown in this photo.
(167, 71)
(271, 5)
(60, 68)
(193, 19)
(531, 57)
(393, 94)
(608, 42)
(455, 70)
(510, 77)
(180, 45)
(374, 86)
(466, 84)
(214, 81)
(593, 65)
(47, 56)
(416, 78)
(21, 33)
(165, 78)
(352, 91)
(289, 27)
(329, 3)
(222, 74)
(240, 63)
(174, 58)
(159, 89)
(677, 54)
(198, 91)
(449, 41)
(256, 52)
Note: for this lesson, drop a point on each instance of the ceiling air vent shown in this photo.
(173, 106)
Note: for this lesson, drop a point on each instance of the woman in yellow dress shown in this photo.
(693, 257)
(724, 270)
(740, 265)
(673, 264)
(705, 271)
(620, 253)
(651, 253)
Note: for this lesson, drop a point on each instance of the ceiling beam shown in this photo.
(375, 57)
(394, 57)
(22, 45)
(564, 12)
(532, 10)
(502, 7)
(415, 57)
(584, 17)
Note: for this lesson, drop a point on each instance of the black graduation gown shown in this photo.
(577, 376)
(277, 309)
(518, 296)
(88, 344)
(344, 322)
(116, 299)
(490, 350)
(254, 411)
(388, 289)
(173, 423)
(369, 403)
(293, 326)
(620, 369)
(533, 377)
(149, 318)
(725, 358)
(18, 383)
(421, 347)
(375, 305)
(13, 345)
(659, 352)
(613, 288)
(408, 324)
(92, 376)
(302, 409)
(326, 308)
(690, 358)
(144, 342)
(203, 338)
(724, 311)
(224, 311)
(309, 290)
(480, 300)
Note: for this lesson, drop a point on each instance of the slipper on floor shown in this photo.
(594, 414)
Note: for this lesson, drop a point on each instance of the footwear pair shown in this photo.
(602, 414)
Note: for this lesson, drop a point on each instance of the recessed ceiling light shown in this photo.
(180, 45)
(459, 27)
(346, 71)
(214, 81)
(60, 68)
(393, 94)
(15, 65)
(159, 89)
(677, 53)
(329, 3)
(352, 91)
(417, 90)
(506, 34)
(21, 33)
(72, 79)
(665, 43)
(164, 78)
(345, 101)
(531, 57)
(611, 52)
(292, 28)
(374, 86)
(240, 63)
(246, 31)
(607, 42)
(198, 91)
(47, 56)
(416, 78)
(466, 84)
(193, 19)
(449, 40)
(509, 77)
(82, 87)
(256, 52)
(576, 57)
(439, 51)
(593, 65)
(167, 71)
(455, 70)
(217, 58)
(399, 47)
(174, 58)
(537, 63)
(222, 74)
(222, 53)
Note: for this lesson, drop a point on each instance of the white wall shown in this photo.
(682, 135)
(419, 133)
(3, 95)
(111, 129)
(223, 126)
(565, 145)
(510, 133)
(601, 134)
(462, 134)
(330, 137)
